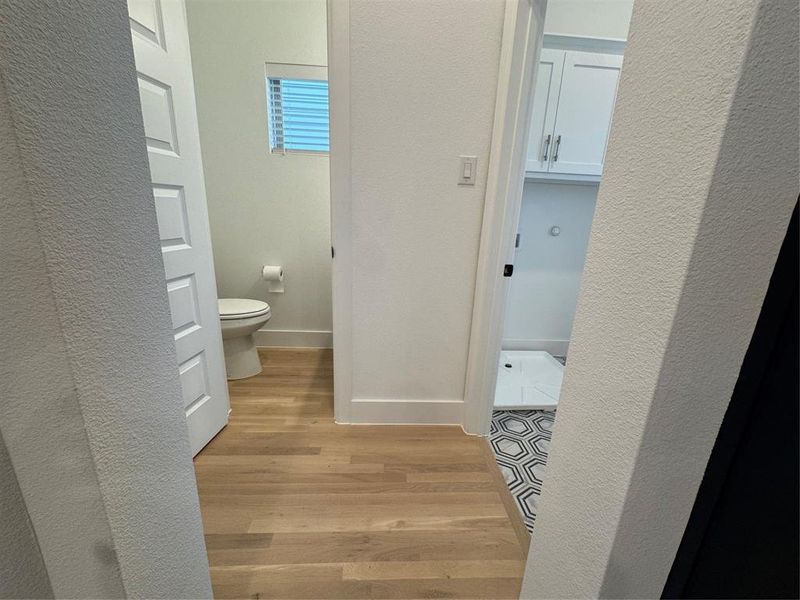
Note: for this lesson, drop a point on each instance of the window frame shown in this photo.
(293, 71)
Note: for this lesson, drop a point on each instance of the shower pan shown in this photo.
(528, 380)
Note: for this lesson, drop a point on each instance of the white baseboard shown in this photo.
(293, 338)
(554, 347)
(406, 412)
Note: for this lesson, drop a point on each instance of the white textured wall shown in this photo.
(547, 269)
(40, 417)
(592, 18)
(22, 570)
(422, 92)
(700, 181)
(91, 405)
(263, 208)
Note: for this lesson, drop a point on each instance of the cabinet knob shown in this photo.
(555, 150)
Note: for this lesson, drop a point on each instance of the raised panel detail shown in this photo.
(194, 380)
(173, 221)
(147, 21)
(183, 306)
(160, 44)
(158, 113)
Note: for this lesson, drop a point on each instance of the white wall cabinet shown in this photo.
(572, 107)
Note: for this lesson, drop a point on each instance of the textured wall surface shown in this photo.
(547, 269)
(22, 570)
(700, 181)
(423, 85)
(97, 365)
(263, 208)
(40, 416)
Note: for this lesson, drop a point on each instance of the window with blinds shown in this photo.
(298, 115)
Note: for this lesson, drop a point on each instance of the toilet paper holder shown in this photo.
(273, 275)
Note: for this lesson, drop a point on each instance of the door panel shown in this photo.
(545, 102)
(166, 89)
(585, 107)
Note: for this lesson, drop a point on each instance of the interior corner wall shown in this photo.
(90, 405)
(264, 208)
(423, 86)
(696, 196)
(22, 570)
(589, 18)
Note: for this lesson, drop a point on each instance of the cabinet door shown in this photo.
(585, 106)
(545, 99)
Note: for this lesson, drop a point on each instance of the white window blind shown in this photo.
(298, 114)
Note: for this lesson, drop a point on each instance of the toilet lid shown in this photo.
(241, 308)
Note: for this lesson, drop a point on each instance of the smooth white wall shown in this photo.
(92, 411)
(263, 208)
(547, 269)
(422, 93)
(696, 196)
(592, 18)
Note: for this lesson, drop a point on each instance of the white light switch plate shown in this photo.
(467, 167)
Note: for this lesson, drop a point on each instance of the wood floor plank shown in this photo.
(225, 498)
(267, 518)
(363, 546)
(448, 476)
(372, 488)
(487, 587)
(295, 506)
(433, 569)
(292, 523)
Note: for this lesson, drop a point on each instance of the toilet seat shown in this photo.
(241, 308)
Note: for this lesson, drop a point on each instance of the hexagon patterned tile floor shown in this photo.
(520, 440)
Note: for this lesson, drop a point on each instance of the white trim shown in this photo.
(563, 41)
(519, 61)
(295, 71)
(341, 223)
(554, 347)
(406, 412)
(575, 179)
(293, 338)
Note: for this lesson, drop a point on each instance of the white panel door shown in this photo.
(166, 89)
(585, 106)
(543, 116)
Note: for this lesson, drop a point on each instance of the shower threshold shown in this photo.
(528, 380)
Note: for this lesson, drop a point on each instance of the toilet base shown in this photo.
(241, 357)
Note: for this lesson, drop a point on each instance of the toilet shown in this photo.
(239, 319)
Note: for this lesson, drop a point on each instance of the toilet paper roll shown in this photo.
(274, 276)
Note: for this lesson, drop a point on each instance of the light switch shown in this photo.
(468, 165)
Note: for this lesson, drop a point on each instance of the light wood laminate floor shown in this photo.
(295, 506)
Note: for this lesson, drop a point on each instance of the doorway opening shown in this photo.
(236, 121)
(235, 108)
(555, 143)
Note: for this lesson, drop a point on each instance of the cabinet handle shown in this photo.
(555, 150)
(546, 146)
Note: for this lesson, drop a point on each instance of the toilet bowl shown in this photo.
(239, 319)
